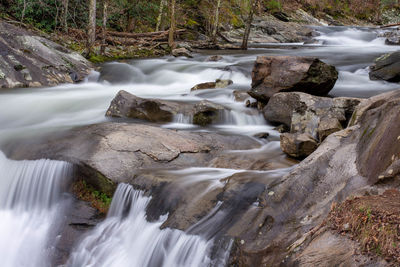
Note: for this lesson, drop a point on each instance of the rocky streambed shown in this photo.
(249, 170)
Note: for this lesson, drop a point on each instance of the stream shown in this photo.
(34, 195)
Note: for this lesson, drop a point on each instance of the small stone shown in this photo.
(390, 172)
(214, 58)
(262, 135)
(271, 193)
(242, 242)
(381, 177)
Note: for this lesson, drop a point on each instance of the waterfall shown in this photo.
(126, 238)
(30, 208)
(183, 119)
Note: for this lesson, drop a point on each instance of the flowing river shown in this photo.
(33, 195)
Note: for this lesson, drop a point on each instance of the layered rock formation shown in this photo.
(29, 60)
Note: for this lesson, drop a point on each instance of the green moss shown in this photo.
(101, 201)
(353, 118)
(127, 53)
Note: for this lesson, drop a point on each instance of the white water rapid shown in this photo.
(126, 238)
(33, 201)
(31, 207)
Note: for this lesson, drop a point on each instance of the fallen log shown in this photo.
(390, 25)
(142, 35)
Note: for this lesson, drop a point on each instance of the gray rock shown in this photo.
(126, 105)
(240, 96)
(316, 117)
(212, 85)
(303, 113)
(298, 145)
(109, 153)
(328, 126)
(29, 60)
(386, 67)
(274, 74)
(393, 38)
(181, 52)
(80, 218)
(214, 58)
(344, 165)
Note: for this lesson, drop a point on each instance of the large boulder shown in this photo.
(348, 163)
(315, 117)
(110, 153)
(29, 60)
(274, 74)
(127, 105)
(386, 67)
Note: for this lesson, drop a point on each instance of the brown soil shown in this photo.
(373, 221)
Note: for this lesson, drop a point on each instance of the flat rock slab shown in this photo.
(29, 60)
(110, 153)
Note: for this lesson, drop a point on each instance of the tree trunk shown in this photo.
(104, 28)
(23, 11)
(216, 22)
(171, 42)
(91, 27)
(160, 14)
(253, 5)
(65, 16)
(130, 23)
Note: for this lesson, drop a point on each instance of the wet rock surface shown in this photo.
(298, 145)
(341, 167)
(29, 60)
(181, 52)
(212, 85)
(81, 217)
(126, 105)
(310, 119)
(393, 37)
(274, 74)
(110, 153)
(386, 67)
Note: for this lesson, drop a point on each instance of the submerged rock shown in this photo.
(274, 74)
(29, 60)
(240, 96)
(127, 105)
(212, 85)
(386, 67)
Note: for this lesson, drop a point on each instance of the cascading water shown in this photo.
(31, 192)
(30, 209)
(126, 238)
